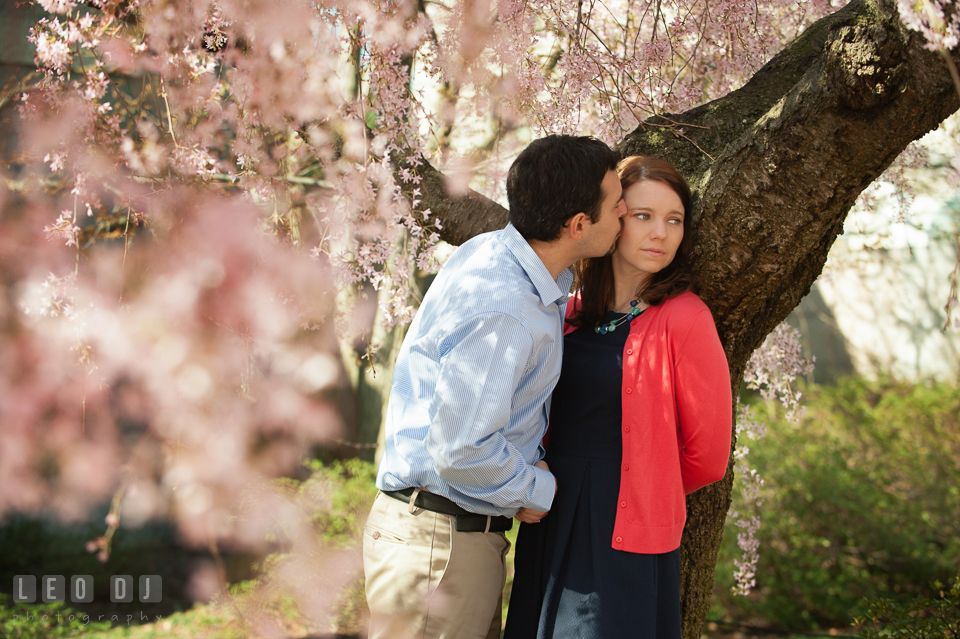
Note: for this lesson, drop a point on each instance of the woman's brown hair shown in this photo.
(594, 276)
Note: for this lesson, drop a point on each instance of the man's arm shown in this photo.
(482, 362)
(530, 516)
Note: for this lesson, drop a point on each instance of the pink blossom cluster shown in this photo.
(478, 74)
(260, 107)
(64, 229)
(897, 175)
(745, 572)
(771, 369)
(953, 297)
(936, 20)
(180, 368)
(391, 235)
(602, 68)
(168, 243)
(188, 366)
(749, 484)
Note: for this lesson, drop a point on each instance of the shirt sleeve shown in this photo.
(481, 364)
(704, 404)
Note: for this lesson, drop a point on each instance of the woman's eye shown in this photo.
(676, 221)
(642, 216)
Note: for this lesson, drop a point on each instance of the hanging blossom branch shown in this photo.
(276, 148)
(939, 22)
(750, 484)
(952, 299)
(620, 62)
(177, 167)
(390, 235)
(556, 68)
(771, 370)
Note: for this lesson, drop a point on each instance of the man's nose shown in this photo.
(621, 209)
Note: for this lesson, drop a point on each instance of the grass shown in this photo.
(201, 621)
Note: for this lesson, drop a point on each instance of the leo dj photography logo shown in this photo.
(53, 588)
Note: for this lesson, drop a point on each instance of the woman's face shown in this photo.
(652, 229)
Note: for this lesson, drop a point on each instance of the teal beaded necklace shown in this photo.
(608, 327)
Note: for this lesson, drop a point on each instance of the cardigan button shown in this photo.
(626, 466)
(626, 429)
(619, 540)
(623, 504)
(629, 390)
(629, 351)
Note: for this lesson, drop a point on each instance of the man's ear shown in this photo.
(576, 226)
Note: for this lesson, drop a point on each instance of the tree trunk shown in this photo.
(775, 168)
(16, 66)
(363, 396)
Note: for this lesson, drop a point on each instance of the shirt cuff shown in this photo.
(544, 489)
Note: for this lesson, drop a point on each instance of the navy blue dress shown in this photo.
(569, 582)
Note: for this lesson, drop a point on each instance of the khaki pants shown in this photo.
(425, 580)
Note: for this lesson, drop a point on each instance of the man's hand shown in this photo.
(528, 515)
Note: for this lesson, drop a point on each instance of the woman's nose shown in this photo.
(659, 229)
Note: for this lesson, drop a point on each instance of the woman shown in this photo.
(641, 417)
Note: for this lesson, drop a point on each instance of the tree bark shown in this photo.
(775, 168)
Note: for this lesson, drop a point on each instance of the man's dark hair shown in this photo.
(555, 178)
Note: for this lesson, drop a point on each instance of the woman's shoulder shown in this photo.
(686, 304)
(684, 313)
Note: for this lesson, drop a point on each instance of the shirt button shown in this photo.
(629, 390)
(376, 535)
(619, 540)
(623, 504)
(629, 351)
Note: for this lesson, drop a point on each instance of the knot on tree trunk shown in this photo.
(865, 64)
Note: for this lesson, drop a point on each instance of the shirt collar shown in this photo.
(550, 290)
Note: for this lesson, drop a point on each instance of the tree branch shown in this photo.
(462, 215)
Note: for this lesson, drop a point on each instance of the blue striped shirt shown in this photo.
(468, 403)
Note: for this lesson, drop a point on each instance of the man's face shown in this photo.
(601, 236)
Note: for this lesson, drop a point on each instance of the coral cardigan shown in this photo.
(677, 416)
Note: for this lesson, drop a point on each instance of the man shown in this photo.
(468, 404)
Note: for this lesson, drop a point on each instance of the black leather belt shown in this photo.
(466, 520)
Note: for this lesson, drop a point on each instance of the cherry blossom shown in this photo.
(771, 369)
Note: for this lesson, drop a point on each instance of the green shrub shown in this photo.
(43, 621)
(861, 503)
(343, 491)
(338, 495)
(350, 487)
(921, 618)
